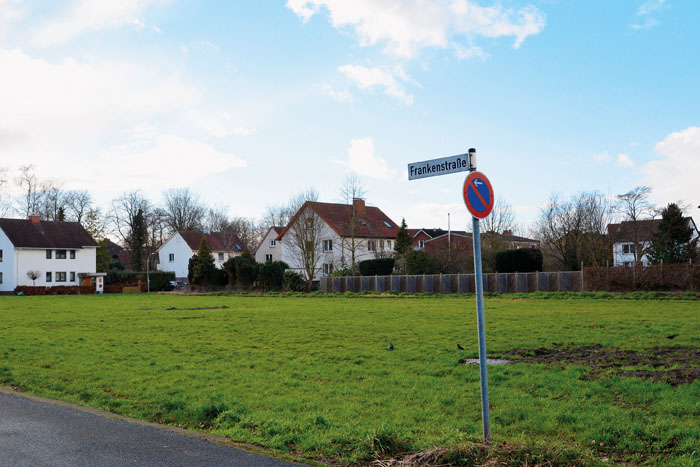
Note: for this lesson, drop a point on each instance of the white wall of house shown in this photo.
(62, 271)
(174, 256)
(332, 251)
(623, 254)
(269, 248)
(7, 266)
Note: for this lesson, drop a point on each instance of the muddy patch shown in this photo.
(674, 365)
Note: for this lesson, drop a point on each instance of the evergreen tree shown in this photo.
(201, 266)
(137, 241)
(61, 216)
(103, 259)
(674, 241)
(403, 239)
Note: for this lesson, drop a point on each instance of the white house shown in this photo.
(623, 236)
(174, 255)
(269, 249)
(57, 253)
(372, 234)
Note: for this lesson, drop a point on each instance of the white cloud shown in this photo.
(92, 15)
(625, 161)
(466, 53)
(675, 176)
(217, 125)
(363, 161)
(370, 78)
(343, 96)
(412, 25)
(644, 15)
(601, 158)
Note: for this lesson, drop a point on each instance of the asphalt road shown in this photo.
(38, 432)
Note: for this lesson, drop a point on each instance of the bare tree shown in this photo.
(123, 212)
(573, 232)
(305, 245)
(27, 204)
(634, 206)
(277, 216)
(78, 204)
(33, 275)
(501, 218)
(183, 209)
(351, 190)
(5, 205)
(52, 200)
(216, 219)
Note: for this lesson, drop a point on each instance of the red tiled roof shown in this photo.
(24, 233)
(370, 221)
(624, 231)
(217, 241)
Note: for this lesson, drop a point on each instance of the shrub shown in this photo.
(242, 270)
(271, 275)
(159, 279)
(418, 262)
(377, 267)
(56, 290)
(293, 282)
(520, 260)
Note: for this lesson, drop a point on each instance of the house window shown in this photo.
(328, 245)
(533, 246)
(0, 256)
(48, 276)
(268, 258)
(327, 269)
(60, 277)
(72, 276)
(0, 278)
(48, 254)
(273, 243)
(388, 244)
(628, 248)
(421, 243)
(60, 254)
(221, 256)
(171, 257)
(72, 254)
(372, 245)
(381, 244)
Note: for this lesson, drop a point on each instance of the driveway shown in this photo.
(43, 432)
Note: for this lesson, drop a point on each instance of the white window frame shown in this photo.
(61, 254)
(49, 278)
(72, 254)
(221, 256)
(327, 269)
(72, 276)
(171, 257)
(61, 276)
(327, 245)
(371, 245)
(0, 277)
(421, 243)
(273, 243)
(268, 257)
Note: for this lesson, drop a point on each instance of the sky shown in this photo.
(248, 103)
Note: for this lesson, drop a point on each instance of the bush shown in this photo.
(242, 270)
(159, 279)
(271, 275)
(418, 262)
(293, 282)
(520, 260)
(377, 267)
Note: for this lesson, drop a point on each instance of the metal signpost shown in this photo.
(479, 199)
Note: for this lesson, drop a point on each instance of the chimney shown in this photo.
(358, 204)
(34, 219)
(507, 233)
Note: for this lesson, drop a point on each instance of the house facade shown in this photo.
(624, 245)
(174, 255)
(55, 253)
(339, 232)
(269, 249)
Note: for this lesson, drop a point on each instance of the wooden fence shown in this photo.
(565, 281)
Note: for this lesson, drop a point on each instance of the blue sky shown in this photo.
(249, 103)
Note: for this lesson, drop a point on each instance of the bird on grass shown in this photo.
(459, 347)
(391, 346)
(672, 336)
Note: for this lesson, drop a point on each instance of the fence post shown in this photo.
(690, 273)
(582, 287)
(558, 281)
(537, 281)
(607, 275)
(663, 279)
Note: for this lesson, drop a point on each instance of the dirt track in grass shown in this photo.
(674, 365)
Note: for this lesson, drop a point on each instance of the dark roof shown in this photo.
(370, 221)
(437, 232)
(217, 241)
(24, 233)
(515, 238)
(624, 231)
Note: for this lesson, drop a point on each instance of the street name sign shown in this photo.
(478, 195)
(435, 167)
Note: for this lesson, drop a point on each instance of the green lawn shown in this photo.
(312, 376)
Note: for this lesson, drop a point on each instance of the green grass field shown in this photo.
(312, 377)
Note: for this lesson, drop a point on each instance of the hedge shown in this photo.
(520, 260)
(377, 267)
(159, 279)
(56, 290)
